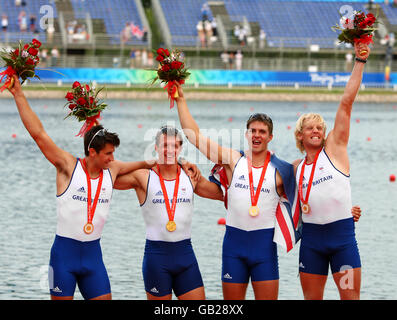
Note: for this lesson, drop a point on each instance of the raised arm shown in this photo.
(212, 150)
(339, 136)
(61, 159)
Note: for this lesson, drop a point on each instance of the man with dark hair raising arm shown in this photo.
(84, 191)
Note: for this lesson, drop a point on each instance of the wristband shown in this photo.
(361, 60)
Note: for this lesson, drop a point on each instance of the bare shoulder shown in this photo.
(296, 163)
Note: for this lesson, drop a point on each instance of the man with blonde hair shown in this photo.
(323, 179)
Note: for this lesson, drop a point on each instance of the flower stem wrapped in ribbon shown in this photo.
(22, 61)
(170, 70)
(84, 104)
(357, 28)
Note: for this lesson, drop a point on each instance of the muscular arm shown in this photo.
(207, 189)
(61, 159)
(339, 136)
(120, 168)
(127, 181)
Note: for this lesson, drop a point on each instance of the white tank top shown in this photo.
(239, 198)
(72, 205)
(155, 213)
(330, 195)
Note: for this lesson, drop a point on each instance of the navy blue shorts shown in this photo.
(78, 262)
(248, 254)
(333, 244)
(170, 266)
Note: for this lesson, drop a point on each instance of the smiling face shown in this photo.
(310, 132)
(258, 136)
(168, 149)
(104, 157)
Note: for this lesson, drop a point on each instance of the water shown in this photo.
(28, 212)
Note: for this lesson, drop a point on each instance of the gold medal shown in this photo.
(305, 208)
(88, 228)
(171, 226)
(253, 211)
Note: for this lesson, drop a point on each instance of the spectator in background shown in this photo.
(205, 9)
(54, 57)
(43, 55)
(262, 39)
(231, 60)
(22, 21)
(239, 59)
(4, 22)
(126, 33)
(144, 58)
(225, 59)
(214, 28)
(208, 32)
(138, 58)
(144, 36)
(32, 25)
(201, 33)
(18, 3)
(150, 59)
(132, 58)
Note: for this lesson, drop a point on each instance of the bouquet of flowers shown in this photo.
(84, 104)
(170, 70)
(22, 61)
(357, 28)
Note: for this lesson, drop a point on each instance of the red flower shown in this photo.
(176, 64)
(72, 106)
(76, 84)
(163, 52)
(182, 81)
(30, 62)
(69, 96)
(36, 43)
(81, 101)
(166, 67)
(33, 51)
(25, 46)
(159, 58)
(371, 19)
(87, 87)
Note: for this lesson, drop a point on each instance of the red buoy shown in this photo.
(392, 178)
(14, 135)
(222, 221)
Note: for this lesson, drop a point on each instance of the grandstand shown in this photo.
(96, 33)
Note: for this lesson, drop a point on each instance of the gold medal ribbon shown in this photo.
(309, 186)
(170, 210)
(88, 228)
(255, 196)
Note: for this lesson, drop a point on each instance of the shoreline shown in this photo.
(218, 94)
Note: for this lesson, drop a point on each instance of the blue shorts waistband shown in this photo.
(344, 226)
(168, 247)
(74, 242)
